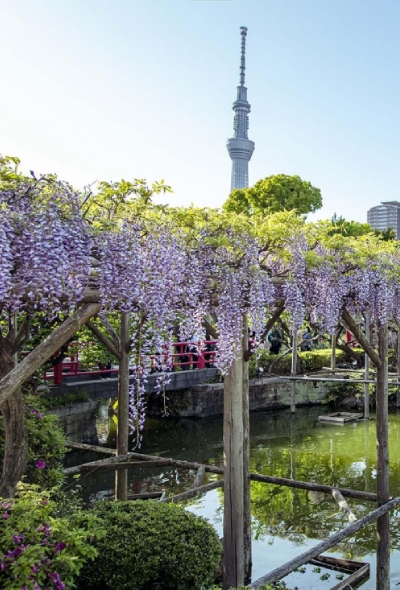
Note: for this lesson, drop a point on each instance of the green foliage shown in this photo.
(310, 361)
(151, 545)
(273, 194)
(46, 445)
(64, 400)
(46, 442)
(315, 360)
(9, 173)
(92, 352)
(39, 550)
(340, 391)
(116, 202)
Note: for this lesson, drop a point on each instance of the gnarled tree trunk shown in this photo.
(15, 430)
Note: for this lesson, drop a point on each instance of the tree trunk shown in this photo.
(15, 430)
(383, 523)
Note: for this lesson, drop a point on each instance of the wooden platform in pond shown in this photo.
(358, 571)
(340, 417)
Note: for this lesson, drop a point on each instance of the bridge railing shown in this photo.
(182, 355)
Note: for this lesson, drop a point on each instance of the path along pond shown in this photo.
(285, 521)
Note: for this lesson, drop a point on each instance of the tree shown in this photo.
(340, 225)
(273, 194)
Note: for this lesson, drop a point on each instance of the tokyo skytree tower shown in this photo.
(240, 147)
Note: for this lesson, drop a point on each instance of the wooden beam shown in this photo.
(281, 481)
(307, 485)
(356, 331)
(193, 492)
(305, 557)
(103, 339)
(35, 359)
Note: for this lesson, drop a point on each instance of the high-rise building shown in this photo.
(385, 215)
(240, 147)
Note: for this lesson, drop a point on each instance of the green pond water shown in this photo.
(286, 522)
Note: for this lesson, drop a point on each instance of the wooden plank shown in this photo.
(340, 417)
(338, 564)
(331, 541)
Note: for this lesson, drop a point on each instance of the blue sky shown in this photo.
(104, 90)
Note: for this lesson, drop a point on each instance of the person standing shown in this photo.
(275, 340)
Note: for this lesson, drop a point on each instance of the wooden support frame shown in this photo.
(35, 359)
(359, 571)
(135, 458)
(121, 477)
(331, 541)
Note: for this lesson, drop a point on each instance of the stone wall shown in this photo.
(79, 422)
(204, 401)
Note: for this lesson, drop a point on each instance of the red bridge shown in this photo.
(186, 356)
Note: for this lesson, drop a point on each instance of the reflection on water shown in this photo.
(286, 521)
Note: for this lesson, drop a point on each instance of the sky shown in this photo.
(110, 89)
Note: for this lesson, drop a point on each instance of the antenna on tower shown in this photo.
(243, 32)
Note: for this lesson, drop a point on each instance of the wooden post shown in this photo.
(383, 523)
(246, 457)
(121, 476)
(366, 365)
(398, 365)
(333, 353)
(233, 475)
(294, 370)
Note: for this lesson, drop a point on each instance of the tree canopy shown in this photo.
(273, 194)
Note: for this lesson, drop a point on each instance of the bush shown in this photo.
(38, 550)
(66, 399)
(151, 545)
(46, 445)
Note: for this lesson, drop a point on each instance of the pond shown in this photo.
(285, 521)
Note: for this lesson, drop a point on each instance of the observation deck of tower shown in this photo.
(240, 147)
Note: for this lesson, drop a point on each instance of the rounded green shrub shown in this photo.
(151, 545)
